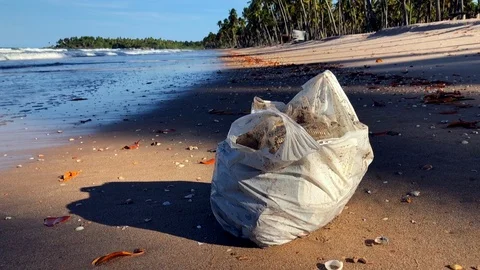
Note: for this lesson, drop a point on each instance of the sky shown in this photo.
(40, 23)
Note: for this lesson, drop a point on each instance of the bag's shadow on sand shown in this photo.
(158, 206)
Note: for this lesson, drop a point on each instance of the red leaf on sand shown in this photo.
(449, 112)
(384, 133)
(68, 175)
(464, 124)
(113, 255)
(52, 221)
(208, 162)
(135, 145)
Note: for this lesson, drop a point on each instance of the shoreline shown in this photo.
(438, 228)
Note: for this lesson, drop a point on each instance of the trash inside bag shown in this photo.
(286, 170)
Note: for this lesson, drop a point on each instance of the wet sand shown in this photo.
(438, 228)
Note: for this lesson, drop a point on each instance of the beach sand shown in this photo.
(438, 228)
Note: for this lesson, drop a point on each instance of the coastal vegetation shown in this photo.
(88, 42)
(270, 22)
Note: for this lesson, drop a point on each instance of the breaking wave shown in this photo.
(11, 54)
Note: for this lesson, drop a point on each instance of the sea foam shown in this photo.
(11, 54)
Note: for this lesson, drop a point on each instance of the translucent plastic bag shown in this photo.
(273, 181)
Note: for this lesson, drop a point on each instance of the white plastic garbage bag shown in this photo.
(286, 170)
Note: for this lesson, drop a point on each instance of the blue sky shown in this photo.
(35, 23)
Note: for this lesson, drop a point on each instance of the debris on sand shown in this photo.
(110, 256)
(464, 124)
(52, 221)
(208, 162)
(69, 175)
(442, 97)
(135, 145)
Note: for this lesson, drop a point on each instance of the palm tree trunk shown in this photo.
(305, 20)
(405, 12)
(439, 14)
(462, 9)
(340, 21)
(284, 16)
(332, 20)
(386, 13)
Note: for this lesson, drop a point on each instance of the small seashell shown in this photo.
(71, 139)
(464, 142)
(19, 166)
(121, 178)
(181, 165)
(334, 265)
(381, 240)
(79, 228)
(199, 226)
(146, 220)
(8, 218)
(189, 196)
(414, 193)
(192, 148)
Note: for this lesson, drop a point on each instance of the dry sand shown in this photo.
(438, 228)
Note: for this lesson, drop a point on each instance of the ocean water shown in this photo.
(44, 91)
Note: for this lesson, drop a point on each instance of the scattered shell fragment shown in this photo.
(334, 265)
(381, 240)
(455, 267)
(464, 142)
(192, 148)
(8, 218)
(121, 178)
(406, 199)
(427, 167)
(19, 166)
(181, 165)
(414, 193)
(166, 203)
(79, 228)
(199, 226)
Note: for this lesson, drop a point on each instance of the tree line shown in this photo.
(269, 22)
(88, 42)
